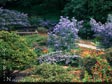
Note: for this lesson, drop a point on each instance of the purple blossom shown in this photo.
(64, 34)
(104, 31)
(12, 18)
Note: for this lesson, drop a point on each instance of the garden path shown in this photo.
(88, 44)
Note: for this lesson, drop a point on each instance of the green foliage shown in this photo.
(86, 32)
(34, 20)
(48, 70)
(86, 77)
(38, 7)
(52, 73)
(102, 70)
(84, 9)
(58, 78)
(15, 53)
(35, 40)
(4, 1)
(108, 55)
(42, 29)
(89, 63)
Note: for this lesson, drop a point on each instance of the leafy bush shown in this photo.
(88, 64)
(84, 9)
(11, 18)
(108, 55)
(102, 70)
(103, 31)
(52, 73)
(86, 32)
(48, 70)
(34, 20)
(15, 54)
(59, 78)
(64, 34)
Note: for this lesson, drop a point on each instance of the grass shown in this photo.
(36, 39)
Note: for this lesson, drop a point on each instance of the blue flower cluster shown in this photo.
(46, 23)
(11, 18)
(104, 31)
(56, 57)
(64, 34)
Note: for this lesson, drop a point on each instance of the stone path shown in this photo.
(89, 46)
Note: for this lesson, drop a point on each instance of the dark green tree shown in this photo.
(84, 9)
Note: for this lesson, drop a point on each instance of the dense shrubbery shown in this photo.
(52, 73)
(11, 18)
(89, 63)
(103, 31)
(15, 53)
(84, 9)
(102, 70)
(109, 19)
(108, 55)
(86, 32)
(64, 34)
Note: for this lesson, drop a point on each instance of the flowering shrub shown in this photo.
(64, 34)
(56, 57)
(103, 31)
(9, 18)
(46, 23)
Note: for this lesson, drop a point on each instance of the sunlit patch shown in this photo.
(90, 52)
(45, 50)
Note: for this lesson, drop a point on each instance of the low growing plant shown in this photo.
(52, 73)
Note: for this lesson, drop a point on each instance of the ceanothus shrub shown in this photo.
(64, 34)
(103, 31)
(11, 18)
